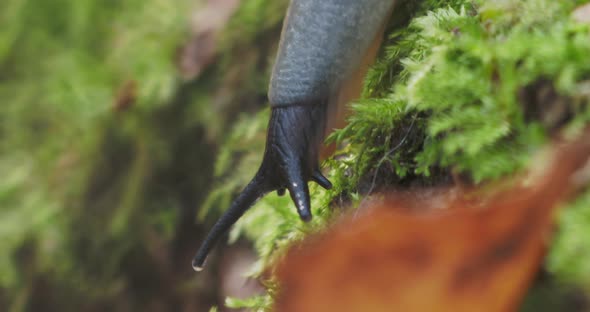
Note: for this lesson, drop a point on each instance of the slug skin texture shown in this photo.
(324, 52)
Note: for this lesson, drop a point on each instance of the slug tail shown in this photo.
(319, 178)
(251, 193)
(299, 191)
(290, 161)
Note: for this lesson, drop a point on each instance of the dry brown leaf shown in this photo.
(444, 250)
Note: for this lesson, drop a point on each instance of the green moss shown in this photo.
(465, 79)
(255, 304)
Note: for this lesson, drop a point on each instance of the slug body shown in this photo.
(322, 44)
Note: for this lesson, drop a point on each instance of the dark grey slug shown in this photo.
(322, 43)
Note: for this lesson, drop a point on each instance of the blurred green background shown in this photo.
(110, 117)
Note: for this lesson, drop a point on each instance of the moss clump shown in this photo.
(460, 80)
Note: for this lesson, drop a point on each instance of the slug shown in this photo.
(322, 45)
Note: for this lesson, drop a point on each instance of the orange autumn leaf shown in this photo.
(433, 249)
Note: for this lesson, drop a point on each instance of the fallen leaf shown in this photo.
(444, 249)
